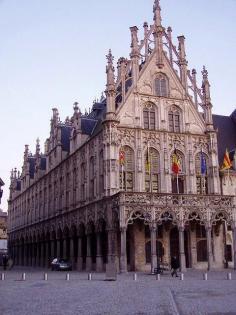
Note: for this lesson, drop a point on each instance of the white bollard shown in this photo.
(205, 276)
(229, 276)
(3, 276)
(23, 276)
(45, 277)
(67, 277)
(158, 277)
(182, 276)
(89, 276)
(135, 276)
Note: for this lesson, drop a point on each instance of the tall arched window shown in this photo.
(161, 86)
(178, 179)
(101, 172)
(126, 160)
(201, 168)
(174, 119)
(83, 178)
(152, 167)
(149, 119)
(92, 177)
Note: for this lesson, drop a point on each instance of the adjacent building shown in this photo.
(136, 180)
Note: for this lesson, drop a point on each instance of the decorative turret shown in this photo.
(158, 33)
(37, 151)
(134, 54)
(183, 62)
(110, 87)
(207, 105)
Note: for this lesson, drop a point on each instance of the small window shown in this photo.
(174, 120)
(161, 86)
(149, 120)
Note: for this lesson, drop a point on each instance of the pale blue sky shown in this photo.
(52, 53)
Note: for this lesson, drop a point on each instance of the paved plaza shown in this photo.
(145, 296)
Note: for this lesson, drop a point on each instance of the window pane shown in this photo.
(177, 123)
(145, 119)
(171, 122)
(158, 87)
(163, 87)
(152, 120)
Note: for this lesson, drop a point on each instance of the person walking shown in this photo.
(174, 266)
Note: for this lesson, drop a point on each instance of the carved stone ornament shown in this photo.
(126, 137)
(176, 141)
(152, 138)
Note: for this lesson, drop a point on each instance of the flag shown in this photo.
(203, 164)
(226, 162)
(122, 157)
(148, 162)
(175, 163)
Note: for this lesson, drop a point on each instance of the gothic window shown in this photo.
(149, 119)
(178, 180)
(201, 168)
(101, 173)
(161, 86)
(152, 167)
(174, 119)
(92, 177)
(83, 178)
(126, 160)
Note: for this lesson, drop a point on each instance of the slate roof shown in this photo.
(65, 137)
(226, 126)
(31, 161)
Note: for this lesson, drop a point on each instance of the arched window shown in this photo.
(92, 177)
(101, 172)
(83, 178)
(152, 168)
(174, 119)
(201, 168)
(178, 178)
(161, 86)
(126, 160)
(149, 119)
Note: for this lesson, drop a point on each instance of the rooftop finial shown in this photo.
(110, 71)
(204, 73)
(37, 146)
(157, 12)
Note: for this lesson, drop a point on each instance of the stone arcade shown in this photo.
(90, 196)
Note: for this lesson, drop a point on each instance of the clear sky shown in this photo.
(52, 53)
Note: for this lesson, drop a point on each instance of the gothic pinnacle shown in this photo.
(157, 12)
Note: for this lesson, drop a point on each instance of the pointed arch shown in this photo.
(161, 85)
(126, 159)
(152, 170)
(178, 180)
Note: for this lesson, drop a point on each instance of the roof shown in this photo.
(1, 182)
(226, 135)
(65, 137)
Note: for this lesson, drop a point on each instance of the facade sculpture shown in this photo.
(104, 189)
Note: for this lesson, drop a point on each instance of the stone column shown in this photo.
(88, 257)
(72, 252)
(153, 231)
(64, 248)
(99, 258)
(181, 249)
(79, 258)
(58, 248)
(123, 251)
(234, 245)
(209, 247)
(111, 254)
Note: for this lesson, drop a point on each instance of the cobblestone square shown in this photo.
(146, 296)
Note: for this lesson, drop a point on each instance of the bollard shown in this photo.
(3, 276)
(45, 277)
(23, 276)
(67, 277)
(205, 276)
(135, 276)
(89, 276)
(182, 276)
(158, 277)
(229, 276)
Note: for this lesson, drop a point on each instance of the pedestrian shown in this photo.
(4, 262)
(174, 266)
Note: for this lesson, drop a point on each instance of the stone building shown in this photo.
(1, 191)
(104, 191)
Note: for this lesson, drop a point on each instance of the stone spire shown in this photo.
(183, 62)
(37, 147)
(110, 87)
(134, 54)
(158, 33)
(157, 13)
(26, 153)
(207, 105)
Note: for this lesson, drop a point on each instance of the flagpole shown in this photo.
(177, 177)
(122, 174)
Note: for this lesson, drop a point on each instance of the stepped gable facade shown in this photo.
(104, 191)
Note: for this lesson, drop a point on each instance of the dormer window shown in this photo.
(161, 86)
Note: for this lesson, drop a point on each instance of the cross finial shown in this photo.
(157, 12)
(110, 58)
